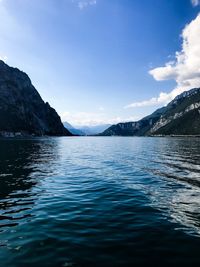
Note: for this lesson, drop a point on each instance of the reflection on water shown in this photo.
(99, 201)
(23, 163)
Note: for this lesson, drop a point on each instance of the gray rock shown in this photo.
(180, 117)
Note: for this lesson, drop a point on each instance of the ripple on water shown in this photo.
(99, 201)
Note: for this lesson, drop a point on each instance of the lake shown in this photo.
(99, 201)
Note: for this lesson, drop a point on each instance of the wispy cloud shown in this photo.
(185, 69)
(195, 2)
(92, 119)
(82, 118)
(81, 4)
(162, 98)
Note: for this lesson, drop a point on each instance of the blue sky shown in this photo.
(102, 61)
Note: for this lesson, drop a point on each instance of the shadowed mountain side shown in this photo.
(22, 110)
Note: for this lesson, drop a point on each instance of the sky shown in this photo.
(103, 61)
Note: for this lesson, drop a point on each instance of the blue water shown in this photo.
(99, 201)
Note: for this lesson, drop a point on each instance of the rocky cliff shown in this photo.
(22, 110)
(180, 117)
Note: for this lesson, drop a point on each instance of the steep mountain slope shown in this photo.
(183, 117)
(73, 130)
(180, 117)
(138, 128)
(22, 110)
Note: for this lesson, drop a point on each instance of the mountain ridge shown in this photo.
(22, 110)
(180, 117)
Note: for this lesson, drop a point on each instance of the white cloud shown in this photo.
(195, 2)
(92, 119)
(84, 3)
(150, 102)
(82, 118)
(185, 69)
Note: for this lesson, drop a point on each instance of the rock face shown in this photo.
(22, 110)
(180, 117)
(138, 128)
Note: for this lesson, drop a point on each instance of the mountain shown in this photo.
(22, 110)
(86, 130)
(73, 130)
(138, 128)
(180, 117)
(93, 130)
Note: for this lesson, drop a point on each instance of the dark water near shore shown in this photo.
(99, 202)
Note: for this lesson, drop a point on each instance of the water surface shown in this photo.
(99, 201)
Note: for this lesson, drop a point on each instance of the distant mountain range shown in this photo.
(93, 130)
(73, 130)
(180, 117)
(22, 110)
(86, 130)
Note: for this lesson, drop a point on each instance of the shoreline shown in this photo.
(13, 135)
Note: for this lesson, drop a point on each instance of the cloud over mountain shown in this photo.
(185, 69)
